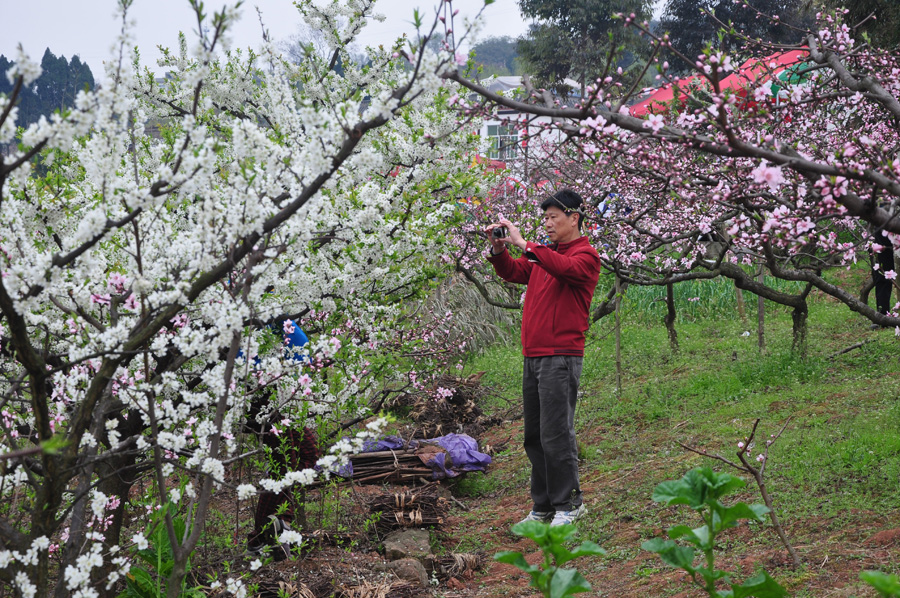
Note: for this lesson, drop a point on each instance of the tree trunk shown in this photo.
(866, 289)
(670, 317)
(742, 310)
(120, 476)
(761, 315)
(618, 339)
(800, 315)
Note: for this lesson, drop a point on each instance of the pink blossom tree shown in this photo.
(795, 174)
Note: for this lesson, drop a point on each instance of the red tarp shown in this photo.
(751, 72)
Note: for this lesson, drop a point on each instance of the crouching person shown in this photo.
(289, 450)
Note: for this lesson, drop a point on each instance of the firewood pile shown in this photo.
(437, 415)
(420, 507)
(401, 466)
(382, 589)
(460, 564)
(322, 587)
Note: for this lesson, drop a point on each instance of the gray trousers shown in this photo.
(550, 390)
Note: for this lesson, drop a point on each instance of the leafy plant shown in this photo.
(701, 489)
(142, 582)
(886, 585)
(549, 577)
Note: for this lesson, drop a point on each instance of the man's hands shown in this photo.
(514, 236)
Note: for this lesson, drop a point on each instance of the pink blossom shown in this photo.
(762, 93)
(770, 175)
(101, 299)
(890, 275)
(131, 302)
(116, 282)
(654, 122)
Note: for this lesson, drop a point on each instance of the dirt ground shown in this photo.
(347, 561)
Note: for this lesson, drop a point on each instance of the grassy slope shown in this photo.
(833, 474)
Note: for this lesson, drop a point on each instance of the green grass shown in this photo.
(696, 299)
(840, 451)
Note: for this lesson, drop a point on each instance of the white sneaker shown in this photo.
(567, 517)
(542, 516)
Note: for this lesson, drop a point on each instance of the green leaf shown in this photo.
(657, 545)
(515, 558)
(697, 488)
(759, 586)
(567, 582)
(718, 484)
(54, 444)
(702, 533)
(732, 514)
(671, 553)
(886, 585)
(562, 555)
(686, 532)
(561, 533)
(714, 574)
(588, 548)
(676, 493)
(533, 530)
(139, 584)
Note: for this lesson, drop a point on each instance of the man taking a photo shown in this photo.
(561, 278)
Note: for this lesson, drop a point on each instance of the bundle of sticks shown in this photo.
(410, 508)
(460, 564)
(399, 467)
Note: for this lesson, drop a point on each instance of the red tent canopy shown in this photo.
(659, 100)
(751, 72)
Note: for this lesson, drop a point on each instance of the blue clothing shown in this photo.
(292, 340)
(295, 340)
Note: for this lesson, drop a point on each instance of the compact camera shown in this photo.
(500, 232)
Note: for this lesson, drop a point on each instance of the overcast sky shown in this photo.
(88, 27)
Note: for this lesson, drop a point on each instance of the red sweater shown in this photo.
(561, 279)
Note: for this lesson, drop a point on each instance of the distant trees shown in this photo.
(55, 89)
(572, 38)
(497, 56)
(309, 41)
(691, 25)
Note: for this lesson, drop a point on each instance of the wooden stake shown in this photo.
(761, 314)
(618, 338)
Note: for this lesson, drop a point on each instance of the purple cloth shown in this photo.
(388, 443)
(461, 454)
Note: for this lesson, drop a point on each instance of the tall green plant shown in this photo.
(549, 577)
(886, 585)
(701, 489)
(151, 579)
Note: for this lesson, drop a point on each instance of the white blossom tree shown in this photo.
(154, 236)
